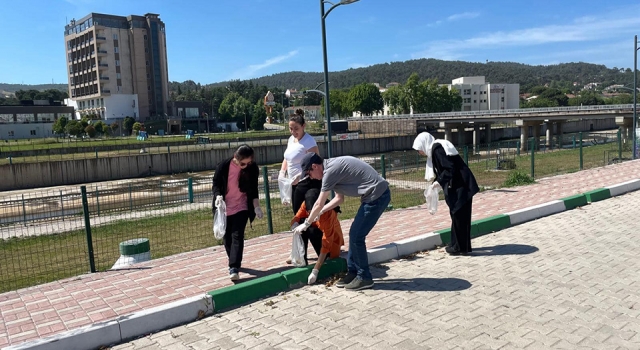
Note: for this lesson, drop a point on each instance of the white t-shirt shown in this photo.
(295, 152)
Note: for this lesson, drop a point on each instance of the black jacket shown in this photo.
(457, 181)
(248, 183)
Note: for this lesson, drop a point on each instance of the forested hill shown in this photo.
(39, 87)
(444, 71)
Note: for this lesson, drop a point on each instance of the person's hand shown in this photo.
(258, 212)
(282, 175)
(295, 179)
(436, 186)
(301, 228)
(295, 224)
(313, 276)
(218, 201)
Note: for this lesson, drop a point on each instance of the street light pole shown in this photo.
(327, 111)
(634, 150)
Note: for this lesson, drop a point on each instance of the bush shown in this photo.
(518, 178)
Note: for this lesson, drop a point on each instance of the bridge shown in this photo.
(531, 121)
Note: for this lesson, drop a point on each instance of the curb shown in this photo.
(128, 327)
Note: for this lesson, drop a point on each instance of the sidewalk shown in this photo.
(53, 308)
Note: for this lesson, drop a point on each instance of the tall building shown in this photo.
(117, 66)
(478, 95)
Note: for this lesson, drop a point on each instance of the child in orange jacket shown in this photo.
(325, 234)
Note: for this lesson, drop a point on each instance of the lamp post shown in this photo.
(634, 150)
(324, 15)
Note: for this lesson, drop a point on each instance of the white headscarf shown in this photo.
(424, 142)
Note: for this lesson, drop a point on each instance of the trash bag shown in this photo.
(284, 185)
(297, 251)
(431, 196)
(220, 221)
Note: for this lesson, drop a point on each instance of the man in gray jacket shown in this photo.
(349, 176)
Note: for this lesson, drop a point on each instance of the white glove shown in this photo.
(302, 227)
(295, 224)
(436, 185)
(218, 201)
(282, 174)
(313, 276)
(258, 212)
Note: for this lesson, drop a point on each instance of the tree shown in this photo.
(259, 116)
(242, 110)
(136, 127)
(114, 126)
(397, 100)
(100, 127)
(74, 128)
(91, 131)
(127, 124)
(59, 125)
(365, 98)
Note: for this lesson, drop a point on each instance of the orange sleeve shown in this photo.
(332, 238)
(301, 214)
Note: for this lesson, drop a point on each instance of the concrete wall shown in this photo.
(69, 172)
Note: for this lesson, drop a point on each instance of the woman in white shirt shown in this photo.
(299, 144)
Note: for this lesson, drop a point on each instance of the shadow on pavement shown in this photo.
(421, 284)
(504, 249)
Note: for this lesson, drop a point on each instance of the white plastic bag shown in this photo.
(220, 221)
(284, 185)
(297, 251)
(431, 196)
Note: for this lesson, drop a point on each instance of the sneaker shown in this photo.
(359, 283)
(233, 274)
(345, 280)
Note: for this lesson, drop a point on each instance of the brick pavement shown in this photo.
(68, 304)
(568, 281)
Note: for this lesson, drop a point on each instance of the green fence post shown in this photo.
(573, 140)
(466, 154)
(383, 166)
(87, 228)
(404, 161)
(161, 202)
(533, 162)
(10, 160)
(619, 134)
(168, 149)
(96, 149)
(97, 201)
(581, 160)
(518, 148)
(190, 189)
(24, 211)
(130, 198)
(61, 205)
(229, 144)
(267, 198)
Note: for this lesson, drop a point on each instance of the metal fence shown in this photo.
(51, 234)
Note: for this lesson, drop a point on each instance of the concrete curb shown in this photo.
(125, 328)
(144, 322)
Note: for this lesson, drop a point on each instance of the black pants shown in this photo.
(300, 190)
(314, 235)
(234, 237)
(461, 228)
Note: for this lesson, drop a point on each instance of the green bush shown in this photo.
(518, 178)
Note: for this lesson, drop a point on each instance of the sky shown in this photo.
(210, 41)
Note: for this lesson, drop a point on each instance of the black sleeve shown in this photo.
(217, 177)
(445, 166)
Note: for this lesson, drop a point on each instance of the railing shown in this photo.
(521, 111)
(43, 233)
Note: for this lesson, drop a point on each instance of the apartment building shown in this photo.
(117, 66)
(478, 95)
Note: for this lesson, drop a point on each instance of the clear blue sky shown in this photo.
(215, 40)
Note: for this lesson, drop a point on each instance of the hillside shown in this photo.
(444, 71)
(39, 87)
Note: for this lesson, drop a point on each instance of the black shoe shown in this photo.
(346, 280)
(452, 250)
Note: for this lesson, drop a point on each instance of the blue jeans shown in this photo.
(366, 218)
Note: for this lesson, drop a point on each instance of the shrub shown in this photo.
(518, 178)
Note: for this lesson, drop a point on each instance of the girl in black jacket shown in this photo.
(236, 183)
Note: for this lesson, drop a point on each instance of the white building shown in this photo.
(478, 95)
